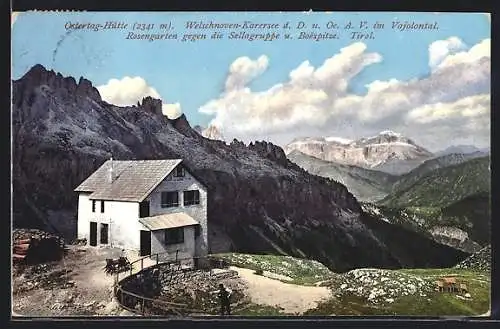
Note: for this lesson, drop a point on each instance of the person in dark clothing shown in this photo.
(225, 305)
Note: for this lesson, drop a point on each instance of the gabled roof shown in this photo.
(133, 180)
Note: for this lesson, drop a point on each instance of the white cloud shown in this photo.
(126, 91)
(243, 70)
(317, 99)
(172, 111)
(478, 51)
(130, 90)
(438, 50)
(304, 98)
(467, 107)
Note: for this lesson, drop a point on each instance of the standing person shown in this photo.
(225, 305)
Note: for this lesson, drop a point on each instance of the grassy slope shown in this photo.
(471, 214)
(407, 180)
(363, 183)
(434, 304)
(453, 196)
(441, 187)
(301, 271)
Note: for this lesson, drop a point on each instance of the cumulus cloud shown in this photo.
(172, 111)
(304, 97)
(476, 106)
(243, 70)
(317, 99)
(126, 91)
(477, 52)
(130, 90)
(440, 49)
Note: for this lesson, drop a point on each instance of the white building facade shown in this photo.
(149, 206)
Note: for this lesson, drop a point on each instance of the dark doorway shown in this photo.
(145, 243)
(93, 234)
(144, 209)
(104, 233)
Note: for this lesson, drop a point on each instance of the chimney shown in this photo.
(111, 178)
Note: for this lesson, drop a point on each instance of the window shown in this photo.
(93, 205)
(144, 209)
(104, 233)
(197, 230)
(191, 197)
(169, 199)
(174, 235)
(179, 171)
(102, 206)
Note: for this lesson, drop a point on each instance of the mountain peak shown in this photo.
(462, 149)
(368, 152)
(213, 132)
(152, 105)
(390, 133)
(38, 75)
(36, 69)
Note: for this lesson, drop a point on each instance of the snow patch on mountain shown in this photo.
(390, 133)
(339, 140)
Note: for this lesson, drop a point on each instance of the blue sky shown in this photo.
(194, 73)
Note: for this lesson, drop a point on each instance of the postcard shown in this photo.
(229, 164)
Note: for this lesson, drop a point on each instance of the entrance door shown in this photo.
(93, 234)
(104, 233)
(145, 243)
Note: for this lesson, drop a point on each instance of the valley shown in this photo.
(446, 197)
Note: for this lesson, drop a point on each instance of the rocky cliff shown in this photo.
(258, 200)
(369, 152)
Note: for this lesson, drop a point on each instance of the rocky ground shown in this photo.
(78, 286)
(411, 292)
(198, 291)
(381, 286)
(479, 261)
(261, 285)
(74, 286)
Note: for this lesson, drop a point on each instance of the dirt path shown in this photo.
(294, 299)
(91, 293)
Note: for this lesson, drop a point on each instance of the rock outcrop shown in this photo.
(371, 152)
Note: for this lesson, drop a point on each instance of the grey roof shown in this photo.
(133, 180)
(160, 222)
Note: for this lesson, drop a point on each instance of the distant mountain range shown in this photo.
(463, 149)
(211, 132)
(446, 196)
(388, 151)
(374, 152)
